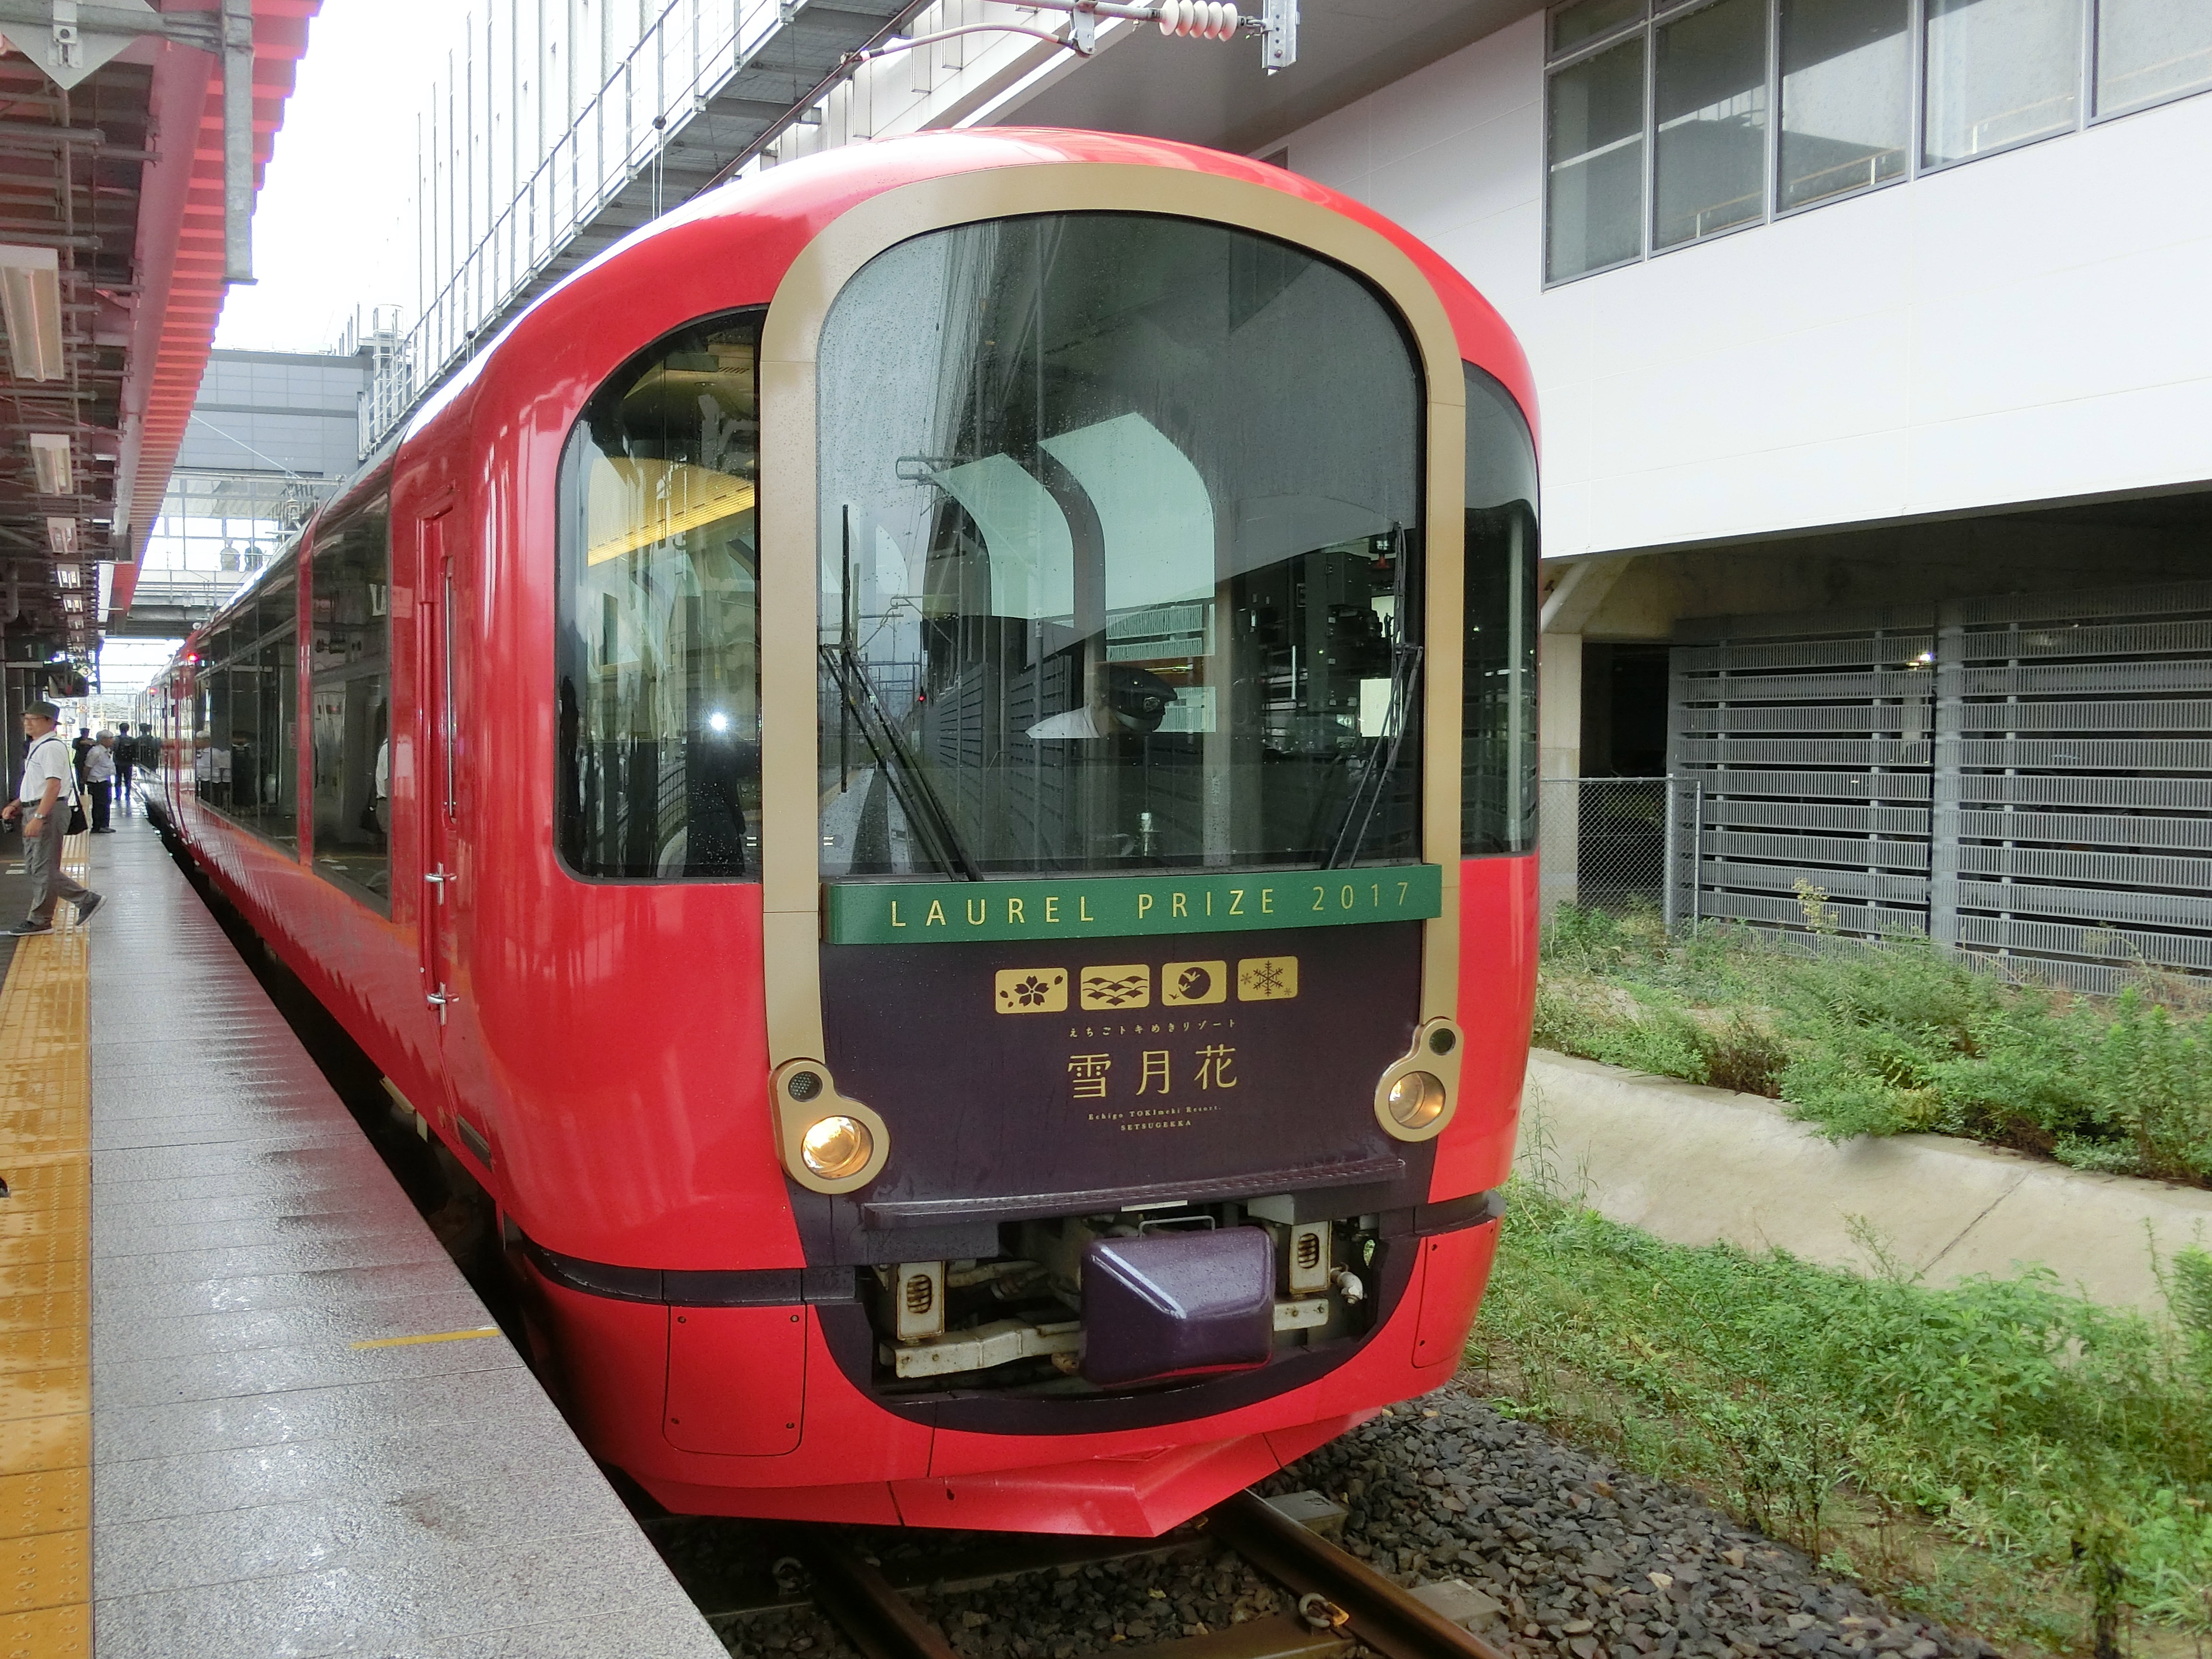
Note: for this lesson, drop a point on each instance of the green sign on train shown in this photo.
(940, 911)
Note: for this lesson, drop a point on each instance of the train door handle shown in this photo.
(438, 878)
(439, 1000)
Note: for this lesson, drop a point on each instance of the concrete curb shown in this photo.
(1695, 1166)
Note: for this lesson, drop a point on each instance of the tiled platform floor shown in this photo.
(279, 1462)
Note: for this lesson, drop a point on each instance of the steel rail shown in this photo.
(1382, 1616)
(880, 1622)
(1340, 1599)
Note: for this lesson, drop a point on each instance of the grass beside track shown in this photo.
(2000, 1455)
(1890, 1038)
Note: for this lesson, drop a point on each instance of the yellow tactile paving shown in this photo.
(49, 1633)
(33, 1347)
(45, 1570)
(52, 1500)
(32, 1445)
(45, 1379)
(38, 1311)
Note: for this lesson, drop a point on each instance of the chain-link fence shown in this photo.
(1609, 843)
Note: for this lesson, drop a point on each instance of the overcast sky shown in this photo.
(333, 228)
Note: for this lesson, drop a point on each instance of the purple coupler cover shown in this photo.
(1171, 1301)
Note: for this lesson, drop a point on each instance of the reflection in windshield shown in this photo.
(1120, 558)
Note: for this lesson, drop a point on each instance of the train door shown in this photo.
(438, 804)
(436, 796)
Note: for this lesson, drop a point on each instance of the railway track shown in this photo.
(1333, 1606)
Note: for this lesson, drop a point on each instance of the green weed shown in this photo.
(1888, 1039)
(1998, 1453)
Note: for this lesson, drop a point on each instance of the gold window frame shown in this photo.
(791, 335)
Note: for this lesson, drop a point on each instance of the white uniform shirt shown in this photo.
(49, 758)
(100, 764)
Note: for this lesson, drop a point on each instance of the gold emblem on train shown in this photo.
(1032, 991)
(1126, 985)
(1267, 979)
(1192, 984)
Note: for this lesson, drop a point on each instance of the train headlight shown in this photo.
(1417, 1093)
(837, 1147)
(828, 1142)
(1415, 1100)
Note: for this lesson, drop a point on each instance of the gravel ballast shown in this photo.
(1583, 1559)
(1566, 1556)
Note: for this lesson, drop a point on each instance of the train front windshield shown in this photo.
(1121, 557)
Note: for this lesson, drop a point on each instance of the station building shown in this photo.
(1875, 363)
(1877, 385)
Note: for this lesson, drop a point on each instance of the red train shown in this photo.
(927, 772)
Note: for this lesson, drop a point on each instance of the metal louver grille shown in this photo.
(2029, 777)
(2098, 705)
(1807, 740)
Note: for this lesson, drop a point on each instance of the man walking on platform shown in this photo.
(43, 805)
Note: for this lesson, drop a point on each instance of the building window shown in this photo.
(2149, 51)
(1709, 101)
(1679, 92)
(2000, 73)
(1846, 97)
(1573, 27)
(1596, 198)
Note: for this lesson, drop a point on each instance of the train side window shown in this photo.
(275, 779)
(658, 650)
(211, 745)
(349, 659)
(1499, 753)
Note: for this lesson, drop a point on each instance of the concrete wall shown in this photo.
(2027, 327)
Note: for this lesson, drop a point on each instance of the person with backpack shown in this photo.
(44, 804)
(125, 751)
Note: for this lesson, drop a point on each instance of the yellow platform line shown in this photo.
(436, 1336)
(45, 1379)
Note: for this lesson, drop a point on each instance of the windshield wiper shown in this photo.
(926, 815)
(1380, 763)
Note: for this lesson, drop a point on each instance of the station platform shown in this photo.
(247, 1404)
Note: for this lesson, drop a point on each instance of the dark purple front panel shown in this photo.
(1178, 1301)
(1207, 1059)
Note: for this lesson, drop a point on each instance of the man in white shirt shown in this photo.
(43, 803)
(100, 780)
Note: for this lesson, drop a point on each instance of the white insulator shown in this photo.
(1205, 20)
